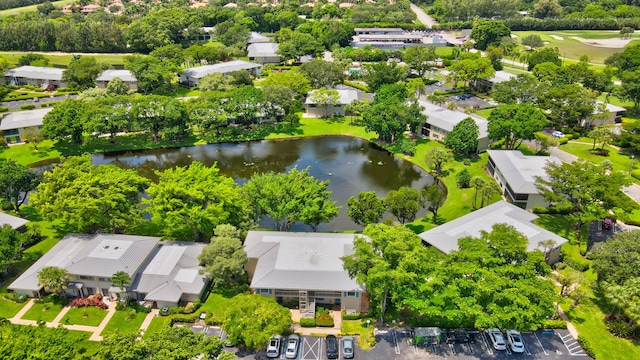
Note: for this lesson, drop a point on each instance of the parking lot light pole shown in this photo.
(368, 321)
(631, 163)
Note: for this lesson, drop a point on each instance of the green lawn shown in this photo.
(571, 48)
(62, 59)
(359, 328)
(24, 9)
(316, 127)
(484, 113)
(89, 316)
(216, 303)
(8, 308)
(580, 149)
(43, 311)
(124, 322)
(157, 324)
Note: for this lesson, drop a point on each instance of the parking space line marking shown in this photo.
(312, 348)
(395, 342)
(572, 345)
(470, 348)
(540, 343)
(453, 350)
(486, 342)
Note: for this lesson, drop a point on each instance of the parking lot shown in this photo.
(397, 344)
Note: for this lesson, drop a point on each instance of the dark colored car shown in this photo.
(332, 347)
(463, 336)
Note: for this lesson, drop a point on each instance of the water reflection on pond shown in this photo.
(351, 165)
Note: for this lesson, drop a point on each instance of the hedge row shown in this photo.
(357, 86)
(530, 24)
(307, 322)
(554, 324)
(3, 109)
(356, 316)
(406, 26)
(574, 259)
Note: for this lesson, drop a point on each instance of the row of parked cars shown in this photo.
(461, 97)
(291, 345)
(513, 340)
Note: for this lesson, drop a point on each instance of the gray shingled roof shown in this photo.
(262, 49)
(445, 237)
(446, 119)
(256, 37)
(36, 72)
(13, 221)
(199, 72)
(92, 255)
(23, 119)
(521, 171)
(124, 75)
(173, 270)
(300, 261)
(502, 76)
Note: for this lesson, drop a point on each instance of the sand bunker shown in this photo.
(616, 43)
(557, 37)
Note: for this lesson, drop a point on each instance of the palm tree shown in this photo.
(616, 297)
(547, 245)
(121, 279)
(53, 279)
(476, 182)
(488, 190)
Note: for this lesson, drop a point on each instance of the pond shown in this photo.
(351, 165)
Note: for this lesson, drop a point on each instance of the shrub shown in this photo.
(3, 109)
(562, 209)
(27, 107)
(357, 86)
(193, 307)
(563, 140)
(586, 346)
(53, 299)
(3, 142)
(307, 322)
(574, 259)
(176, 310)
(324, 321)
(554, 324)
(569, 136)
(635, 173)
(47, 104)
(356, 316)
(463, 178)
(15, 297)
(618, 328)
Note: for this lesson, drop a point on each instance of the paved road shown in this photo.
(422, 16)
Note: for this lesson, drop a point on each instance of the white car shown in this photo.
(496, 338)
(273, 347)
(515, 341)
(557, 134)
(291, 346)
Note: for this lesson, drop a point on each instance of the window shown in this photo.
(105, 279)
(84, 277)
(91, 291)
(11, 132)
(263, 291)
(351, 293)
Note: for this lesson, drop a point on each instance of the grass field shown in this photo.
(359, 328)
(580, 149)
(124, 322)
(157, 324)
(89, 316)
(216, 303)
(573, 49)
(43, 311)
(24, 9)
(8, 308)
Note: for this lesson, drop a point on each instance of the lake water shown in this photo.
(351, 165)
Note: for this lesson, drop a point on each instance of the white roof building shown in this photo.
(35, 72)
(192, 76)
(441, 121)
(13, 221)
(108, 75)
(23, 119)
(445, 237)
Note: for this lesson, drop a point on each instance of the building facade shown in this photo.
(192, 76)
(125, 75)
(38, 76)
(15, 125)
(440, 122)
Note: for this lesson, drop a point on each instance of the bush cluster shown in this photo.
(27, 107)
(15, 297)
(356, 316)
(586, 346)
(574, 260)
(3, 109)
(307, 322)
(562, 209)
(554, 324)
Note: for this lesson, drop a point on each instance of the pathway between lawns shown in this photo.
(94, 330)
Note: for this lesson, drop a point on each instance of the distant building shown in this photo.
(517, 173)
(499, 77)
(612, 115)
(441, 121)
(90, 8)
(192, 76)
(38, 76)
(256, 37)
(347, 96)
(164, 273)
(14, 124)
(394, 38)
(15, 222)
(304, 267)
(125, 75)
(264, 53)
(445, 237)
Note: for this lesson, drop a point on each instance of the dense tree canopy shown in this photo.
(287, 198)
(382, 73)
(224, 258)
(404, 203)
(463, 139)
(515, 123)
(366, 209)
(67, 119)
(490, 281)
(616, 260)
(16, 181)
(322, 73)
(11, 242)
(39, 342)
(486, 33)
(83, 72)
(391, 114)
(189, 202)
(252, 319)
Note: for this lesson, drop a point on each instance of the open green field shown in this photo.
(573, 49)
(89, 316)
(127, 321)
(8, 308)
(158, 324)
(24, 9)
(621, 162)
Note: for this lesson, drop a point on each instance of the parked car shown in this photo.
(332, 346)
(462, 336)
(515, 341)
(606, 224)
(557, 134)
(291, 347)
(496, 338)
(347, 347)
(273, 347)
(465, 96)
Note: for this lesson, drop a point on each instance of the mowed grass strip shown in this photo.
(158, 324)
(8, 308)
(43, 311)
(571, 48)
(127, 321)
(89, 316)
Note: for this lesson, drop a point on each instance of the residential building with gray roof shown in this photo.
(517, 173)
(304, 267)
(164, 273)
(441, 121)
(192, 76)
(39, 76)
(13, 125)
(445, 237)
(15, 222)
(126, 76)
(264, 53)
